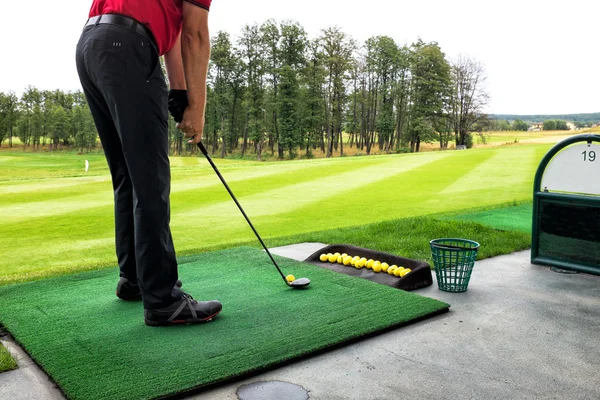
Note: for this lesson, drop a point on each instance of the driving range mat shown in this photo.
(419, 276)
(95, 346)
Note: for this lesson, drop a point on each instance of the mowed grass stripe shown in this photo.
(234, 171)
(44, 165)
(326, 213)
(294, 195)
(208, 187)
(502, 170)
(273, 186)
(57, 244)
(402, 195)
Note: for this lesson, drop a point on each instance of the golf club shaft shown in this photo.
(210, 161)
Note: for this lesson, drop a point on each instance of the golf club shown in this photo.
(296, 284)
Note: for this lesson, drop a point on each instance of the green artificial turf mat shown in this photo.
(511, 218)
(95, 346)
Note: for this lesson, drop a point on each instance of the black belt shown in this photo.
(121, 20)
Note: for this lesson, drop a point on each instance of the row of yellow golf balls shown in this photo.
(360, 262)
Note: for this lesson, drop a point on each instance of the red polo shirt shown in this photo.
(162, 17)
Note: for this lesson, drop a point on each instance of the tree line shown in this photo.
(42, 117)
(585, 119)
(273, 89)
(547, 125)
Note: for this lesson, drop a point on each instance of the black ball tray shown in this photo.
(419, 277)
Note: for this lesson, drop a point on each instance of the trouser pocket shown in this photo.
(108, 61)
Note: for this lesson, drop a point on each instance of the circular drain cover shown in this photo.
(272, 390)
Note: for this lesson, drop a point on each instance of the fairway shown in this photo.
(57, 218)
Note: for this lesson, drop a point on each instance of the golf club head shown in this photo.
(299, 283)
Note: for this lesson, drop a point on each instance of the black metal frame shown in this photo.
(540, 196)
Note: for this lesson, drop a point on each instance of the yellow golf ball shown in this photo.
(370, 262)
(405, 272)
(340, 260)
(384, 269)
(290, 278)
(376, 264)
(397, 272)
(347, 260)
(332, 258)
(336, 254)
(355, 260)
(391, 270)
(376, 268)
(323, 257)
(344, 254)
(362, 262)
(384, 265)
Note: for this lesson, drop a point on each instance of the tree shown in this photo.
(253, 53)
(271, 36)
(287, 109)
(386, 56)
(520, 125)
(402, 93)
(222, 65)
(338, 48)
(58, 125)
(292, 47)
(468, 98)
(430, 90)
(561, 125)
(30, 101)
(550, 125)
(8, 116)
(313, 98)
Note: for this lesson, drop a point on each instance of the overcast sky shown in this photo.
(540, 57)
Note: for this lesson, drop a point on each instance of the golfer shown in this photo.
(119, 69)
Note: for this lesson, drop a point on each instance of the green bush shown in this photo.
(469, 141)
(403, 150)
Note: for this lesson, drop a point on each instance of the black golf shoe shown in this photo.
(186, 310)
(131, 292)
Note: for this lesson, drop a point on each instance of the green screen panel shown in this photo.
(570, 232)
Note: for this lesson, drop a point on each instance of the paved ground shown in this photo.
(520, 331)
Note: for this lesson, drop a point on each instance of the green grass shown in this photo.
(410, 237)
(7, 362)
(58, 219)
(97, 347)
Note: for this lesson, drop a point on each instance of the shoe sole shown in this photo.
(134, 298)
(181, 321)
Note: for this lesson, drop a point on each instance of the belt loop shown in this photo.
(98, 20)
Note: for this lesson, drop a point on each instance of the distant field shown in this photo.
(511, 137)
(494, 139)
(57, 218)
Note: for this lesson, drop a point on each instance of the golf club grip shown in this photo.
(212, 164)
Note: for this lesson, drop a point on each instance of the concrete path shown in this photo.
(520, 332)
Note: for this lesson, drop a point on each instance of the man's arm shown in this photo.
(195, 48)
(174, 66)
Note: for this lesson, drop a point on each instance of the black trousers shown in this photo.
(126, 91)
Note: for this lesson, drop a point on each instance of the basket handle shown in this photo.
(451, 247)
